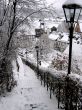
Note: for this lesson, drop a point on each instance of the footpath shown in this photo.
(29, 94)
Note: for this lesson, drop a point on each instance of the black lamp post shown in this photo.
(72, 10)
(41, 27)
(26, 54)
(37, 55)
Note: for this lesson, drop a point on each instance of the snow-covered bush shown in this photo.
(7, 81)
(61, 63)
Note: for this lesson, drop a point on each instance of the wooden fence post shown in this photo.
(50, 89)
(44, 79)
(41, 78)
(47, 81)
(58, 94)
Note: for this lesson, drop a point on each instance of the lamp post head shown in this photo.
(36, 47)
(72, 10)
(40, 20)
(41, 23)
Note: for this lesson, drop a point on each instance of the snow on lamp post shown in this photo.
(72, 10)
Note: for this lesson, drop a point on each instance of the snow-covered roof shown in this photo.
(51, 24)
(53, 36)
(63, 27)
(65, 37)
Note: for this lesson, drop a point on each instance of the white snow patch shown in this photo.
(44, 64)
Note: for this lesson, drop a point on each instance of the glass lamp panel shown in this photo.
(67, 14)
(77, 14)
(71, 13)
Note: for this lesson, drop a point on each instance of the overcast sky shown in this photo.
(57, 3)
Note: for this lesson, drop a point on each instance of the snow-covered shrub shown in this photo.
(75, 69)
(61, 63)
(6, 80)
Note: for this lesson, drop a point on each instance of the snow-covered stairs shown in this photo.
(28, 94)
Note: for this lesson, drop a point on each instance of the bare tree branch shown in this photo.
(26, 18)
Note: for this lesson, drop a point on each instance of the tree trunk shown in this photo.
(10, 34)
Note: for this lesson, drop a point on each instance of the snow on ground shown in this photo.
(44, 64)
(31, 57)
(28, 94)
(76, 53)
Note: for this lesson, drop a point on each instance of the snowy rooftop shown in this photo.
(65, 37)
(53, 36)
(51, 24)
